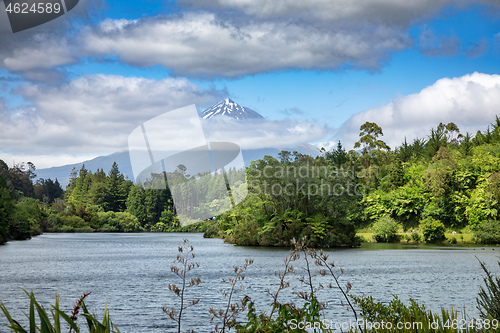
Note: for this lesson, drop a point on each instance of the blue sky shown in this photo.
(75, 87)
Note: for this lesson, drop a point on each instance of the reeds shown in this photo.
(183, 264)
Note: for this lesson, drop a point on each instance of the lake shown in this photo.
(131, 272)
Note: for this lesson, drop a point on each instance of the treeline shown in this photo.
(91, 202)
(110, 203)
(448, 181)
(21, 201)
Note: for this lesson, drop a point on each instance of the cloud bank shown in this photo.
(95, 115)
(203, 45)
(92, 114)
(263, 133)
(388, 12)
(230, 39)
(470, 101)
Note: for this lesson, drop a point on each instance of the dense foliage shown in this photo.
(447, 182)
(20, 214)
(295, 197)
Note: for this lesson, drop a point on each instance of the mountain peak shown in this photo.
(230, 108)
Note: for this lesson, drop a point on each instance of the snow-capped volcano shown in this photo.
(230, 108)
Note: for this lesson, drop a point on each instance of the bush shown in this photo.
(71, 224)
(385, 230)
(397, 313)
(26, 219)
(116, 222)
(416, 237)
(488, 232)
(432, 230)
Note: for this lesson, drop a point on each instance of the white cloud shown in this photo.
(45, 161)
(234, 38)
(37, 52)
(204, 46)
(386, 12)
(470, 101)
(42, 54)
(36, 55)
(263, 133)
(92, 114)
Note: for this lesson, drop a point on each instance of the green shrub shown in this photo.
(488, 232)
(412, 318)
(108, 228)
(212, 231)
(26, 219)
(159, 227)
(385, 230)
(288, 318)
(116, 222)
(432, 230)
(71, 224)
(416, 237)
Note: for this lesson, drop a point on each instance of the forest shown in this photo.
(448, 182)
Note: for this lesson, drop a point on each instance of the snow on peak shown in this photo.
(231, 109)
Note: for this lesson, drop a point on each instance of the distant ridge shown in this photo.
(230, 108)
(62, 173)
(227, 108)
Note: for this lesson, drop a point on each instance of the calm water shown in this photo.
(132, 271)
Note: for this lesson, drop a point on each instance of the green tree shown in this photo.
(404, 152)
(466, 144)
(372, 147)
(432, 230)
(385, 230)
(338, 156)
(397, 173)
(20, 177)
(46, 190)
(6, 210)
(418, 147)
(136, 205)
(116, 190)
(81, 187)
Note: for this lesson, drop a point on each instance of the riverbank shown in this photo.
(406, 237)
